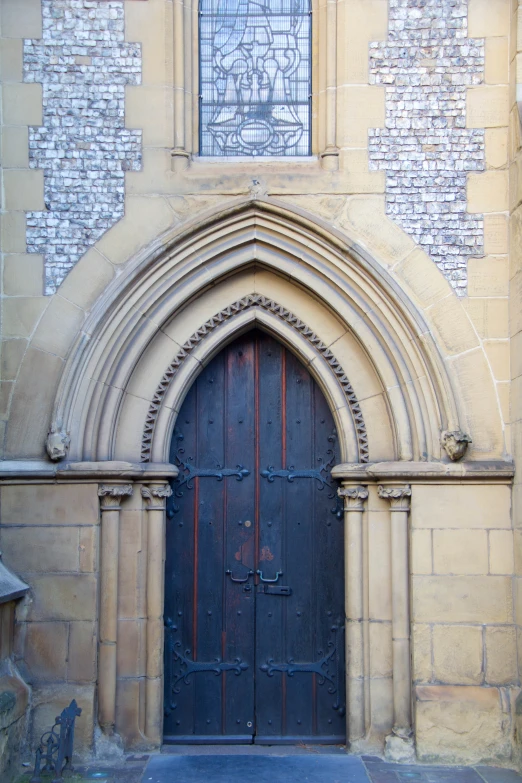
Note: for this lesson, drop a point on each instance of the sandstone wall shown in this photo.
(49, 534)
(427, 213)
(515, 321)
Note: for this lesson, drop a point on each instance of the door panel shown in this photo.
(248, 659)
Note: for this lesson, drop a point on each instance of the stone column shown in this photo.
(110, 499)
(330, 154)
(180, 156)
(155, 495)
(354, 498)
(399, 744)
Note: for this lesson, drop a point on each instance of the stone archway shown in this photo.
(140, 323)
(345, 317)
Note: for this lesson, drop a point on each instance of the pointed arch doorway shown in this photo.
(254, 580)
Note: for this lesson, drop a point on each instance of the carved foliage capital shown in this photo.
(158, 492)
(111, 495)
(353, 497)
(399, 496)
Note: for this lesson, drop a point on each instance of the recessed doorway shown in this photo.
(254, 581)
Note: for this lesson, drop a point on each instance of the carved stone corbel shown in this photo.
(57, 444)
(110, 503)
(399, 744)
(455, 444)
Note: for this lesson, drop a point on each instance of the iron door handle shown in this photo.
(262, 578)
(239, 581)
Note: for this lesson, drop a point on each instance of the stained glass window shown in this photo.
(255, 77)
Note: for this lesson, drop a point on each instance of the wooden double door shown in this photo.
(254, 583)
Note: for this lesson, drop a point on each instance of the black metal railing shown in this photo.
(55, 751)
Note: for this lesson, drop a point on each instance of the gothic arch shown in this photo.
(270, 316)
(140, 322)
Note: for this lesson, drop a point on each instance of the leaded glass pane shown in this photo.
(255, 77)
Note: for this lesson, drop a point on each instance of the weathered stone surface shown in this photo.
(461, 507)
(501, 656)
(46, 651)
(81, 656)
(421, 653)
(501, 554)
(49, 700)
(421, 552)
(63, 597)
(460, 552)
(131, 648)
(461, 724)
(50, 505)
(53, 549)
(129, 694)
(462, 599)
(399, 750)
(14, 700)
(458, 654)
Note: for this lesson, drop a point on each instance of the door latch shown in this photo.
(274, 589)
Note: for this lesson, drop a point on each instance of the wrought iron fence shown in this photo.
(55, 751)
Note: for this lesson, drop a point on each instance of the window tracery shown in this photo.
(255, 77)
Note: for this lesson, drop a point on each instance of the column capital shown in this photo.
(353, 497)
(398, 495)
(111, 494)
(156, 492)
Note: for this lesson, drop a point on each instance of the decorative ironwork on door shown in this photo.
(254, 594)
(255, 77)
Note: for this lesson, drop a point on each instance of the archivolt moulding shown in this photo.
(245, 303)
(105, 390)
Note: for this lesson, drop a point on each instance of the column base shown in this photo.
(330, 159)
(400, 749)
(108, 745)
(180, 160)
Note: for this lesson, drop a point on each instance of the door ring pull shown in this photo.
(239, 581)
(262, 579)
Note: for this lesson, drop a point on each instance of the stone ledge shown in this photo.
(91, 472)
(496, 471)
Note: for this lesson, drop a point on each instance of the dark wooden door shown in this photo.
(254, 582)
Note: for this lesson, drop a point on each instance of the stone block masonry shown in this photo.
(426, 66)
(83, 147)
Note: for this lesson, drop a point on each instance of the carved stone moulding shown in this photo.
(262, 302)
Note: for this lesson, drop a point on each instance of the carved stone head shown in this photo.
(57, 445)
(455, 444)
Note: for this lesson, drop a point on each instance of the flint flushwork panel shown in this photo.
(83, 63)
(426, 66)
